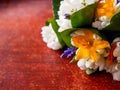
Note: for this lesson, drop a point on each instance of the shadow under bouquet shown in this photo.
(91, 31)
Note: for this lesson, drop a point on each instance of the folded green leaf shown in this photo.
(56, 5)
(66, 36)
(55, 28)
(114, 23)
(83, 17)
(73, 60)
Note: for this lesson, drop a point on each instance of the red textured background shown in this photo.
(25, 61)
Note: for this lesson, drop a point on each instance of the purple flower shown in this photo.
(118, 1)
(69, 52)
(67, 16)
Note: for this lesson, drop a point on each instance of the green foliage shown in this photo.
(90, 71)
(83, 17)
(56, 5)
(114, 23)
(66, 36)
(73, 60)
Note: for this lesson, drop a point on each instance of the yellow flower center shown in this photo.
(105, 8)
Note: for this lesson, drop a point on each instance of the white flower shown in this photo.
(86, 63)
(50, 37)
(81, 64)
(117, 39)
(117, 6)
(101, 23)
(101, 63)
(64, 24)
(116, 51)
(89, 64)
(69, 7)
(114, 70)
(116, 75)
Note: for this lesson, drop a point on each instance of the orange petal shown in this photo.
(89, 36)
(101, 44)
(93, 55)
(78, 41)
(82, 53)
(81, 41)
(105, 8)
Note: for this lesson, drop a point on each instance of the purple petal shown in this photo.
(118, 1)
(69, 52)
(67, 16)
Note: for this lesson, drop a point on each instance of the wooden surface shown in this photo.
(25, 61)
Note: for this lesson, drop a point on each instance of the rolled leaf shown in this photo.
(66, 36)
(83, 17)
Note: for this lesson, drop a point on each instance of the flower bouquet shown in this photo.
(91, 31)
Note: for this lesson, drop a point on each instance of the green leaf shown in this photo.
(111, 35)
(83, 17)
(47, 23)
(113, 29)
(73, 60)
(114, 23)
(90, 71)
(56, 5)
(67, 38)
(55, 28)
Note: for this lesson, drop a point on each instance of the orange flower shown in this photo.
(87, 45)
(105, 8)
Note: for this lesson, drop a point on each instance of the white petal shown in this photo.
(81, 64)
(89, 64)
(50, 37)
(116, 76)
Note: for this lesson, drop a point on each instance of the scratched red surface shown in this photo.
(25, 61)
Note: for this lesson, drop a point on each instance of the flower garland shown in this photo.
(91, 31)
